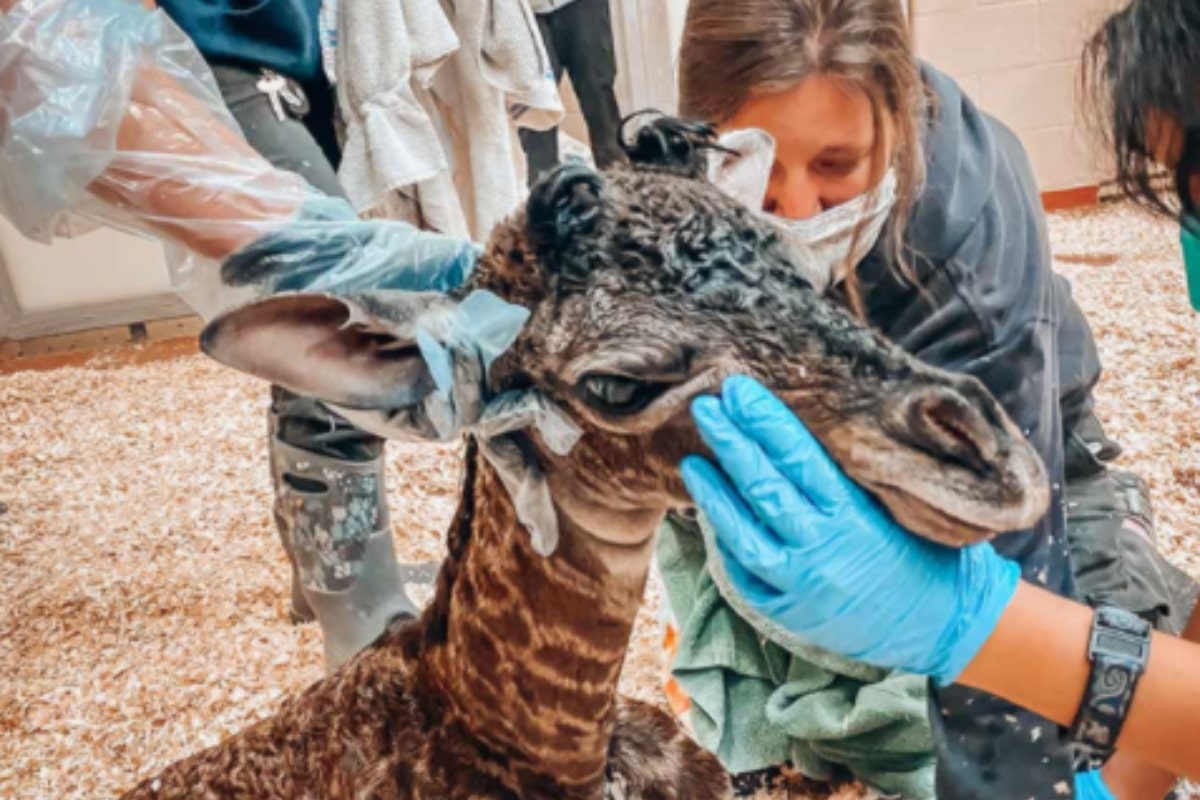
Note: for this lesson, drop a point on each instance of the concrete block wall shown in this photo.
(1019, 60)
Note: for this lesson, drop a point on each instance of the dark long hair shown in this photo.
(1140, 69)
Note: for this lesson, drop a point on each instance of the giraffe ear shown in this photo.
(564, 205)
(670, 144)
(402, 365)
(356, 352)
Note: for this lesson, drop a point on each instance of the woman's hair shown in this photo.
(735, 49)
(1143, 65)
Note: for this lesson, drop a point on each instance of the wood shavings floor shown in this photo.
(142, 588)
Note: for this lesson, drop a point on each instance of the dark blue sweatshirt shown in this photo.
(281, 35)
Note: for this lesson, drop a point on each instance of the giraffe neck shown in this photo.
(527, 650)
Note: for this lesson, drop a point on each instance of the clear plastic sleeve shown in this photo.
(109, 115)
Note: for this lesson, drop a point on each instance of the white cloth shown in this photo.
(500, 78)
(385, 48)
(828, 246)
(430, 95)
(548, 6)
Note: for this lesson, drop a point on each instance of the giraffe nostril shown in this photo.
(943, 423)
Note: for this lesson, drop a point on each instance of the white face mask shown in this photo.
(825, 246)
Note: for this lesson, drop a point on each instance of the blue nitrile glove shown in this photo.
(1091, 786)
(327, 248)
(810, 550)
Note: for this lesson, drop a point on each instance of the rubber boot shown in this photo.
(332, 516)
(299, 611)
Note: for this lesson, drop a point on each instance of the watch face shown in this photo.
(1120, 636)
(1120, 645)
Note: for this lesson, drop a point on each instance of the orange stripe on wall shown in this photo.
(1063, 199)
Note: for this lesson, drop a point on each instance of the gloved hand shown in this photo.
(327, 248)
(1091, 786)
(812, 551)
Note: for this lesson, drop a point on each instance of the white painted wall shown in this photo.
(1019, 60)
(676, 12)
(97, 267)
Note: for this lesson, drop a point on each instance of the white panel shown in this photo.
(628, 73)
(676, 15)
(645, 55)
(97, 267)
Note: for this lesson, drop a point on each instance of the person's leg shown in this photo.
(331, 506)
(585, 37)
(321, 121)
(288, 143)
(541, 147)
(330, 502)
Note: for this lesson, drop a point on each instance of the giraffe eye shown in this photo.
(618, 394)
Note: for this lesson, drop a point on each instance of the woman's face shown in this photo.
(825, 145)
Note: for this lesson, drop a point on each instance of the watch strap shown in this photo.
(1119, 651)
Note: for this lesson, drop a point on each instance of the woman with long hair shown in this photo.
(972, 619)
(945, 252)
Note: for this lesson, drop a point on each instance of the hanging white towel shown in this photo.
(327, 25)
(498, 79)
(383, 48)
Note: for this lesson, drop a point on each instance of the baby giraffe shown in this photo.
(646, 287)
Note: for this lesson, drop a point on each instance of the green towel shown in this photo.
(761, 697)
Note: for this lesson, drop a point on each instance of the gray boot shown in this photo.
(333, 521)
(299, 611)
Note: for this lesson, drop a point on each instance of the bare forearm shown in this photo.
(1037, 658)
(1131, 778)
(214, 214)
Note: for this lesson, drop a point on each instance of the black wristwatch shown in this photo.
(1119, 651)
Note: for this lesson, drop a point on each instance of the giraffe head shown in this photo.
(646, 286)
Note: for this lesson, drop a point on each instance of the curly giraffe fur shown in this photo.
(646, 286)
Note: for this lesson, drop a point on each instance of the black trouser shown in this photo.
(1110, 533)
(579, 41)
(330, 500)
(308, 148)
